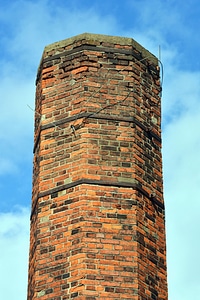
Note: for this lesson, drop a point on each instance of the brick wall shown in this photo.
(97, 220)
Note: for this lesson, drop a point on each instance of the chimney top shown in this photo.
(98, 39)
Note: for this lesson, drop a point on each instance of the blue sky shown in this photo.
(25, 28)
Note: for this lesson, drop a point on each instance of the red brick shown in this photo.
(96, 232)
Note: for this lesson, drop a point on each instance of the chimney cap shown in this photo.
(98, 39)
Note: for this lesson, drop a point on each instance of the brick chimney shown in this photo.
(98, 218)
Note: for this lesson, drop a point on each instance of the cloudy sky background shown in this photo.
(25, 28)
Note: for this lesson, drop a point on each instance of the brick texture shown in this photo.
(98, 219)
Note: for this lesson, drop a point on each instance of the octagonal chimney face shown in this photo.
(97, 219)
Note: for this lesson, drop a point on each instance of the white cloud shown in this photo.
(181, 148)
(32, 25)
(14, 245)
(16, 123)
(182, 92)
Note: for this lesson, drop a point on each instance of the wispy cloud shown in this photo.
(25, 28)
(14, 237)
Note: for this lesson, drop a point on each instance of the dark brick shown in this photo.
(120, 216)
(74, 231)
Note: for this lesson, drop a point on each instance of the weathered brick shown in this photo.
(96, 230)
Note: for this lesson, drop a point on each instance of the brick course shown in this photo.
(97, 220)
